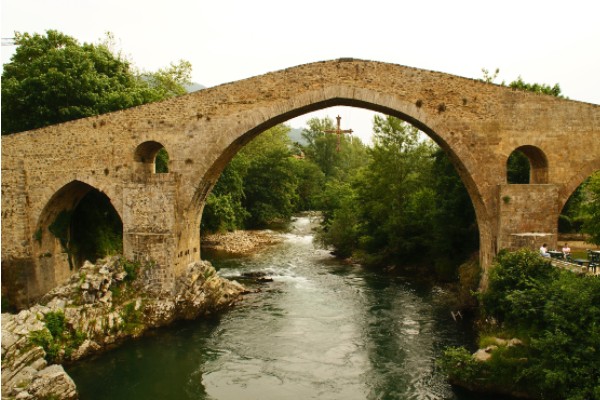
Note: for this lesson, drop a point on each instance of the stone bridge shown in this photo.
(49, 170)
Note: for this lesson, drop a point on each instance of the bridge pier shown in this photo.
(150, 226)
(528, 216)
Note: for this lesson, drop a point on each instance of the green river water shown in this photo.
(320, 330)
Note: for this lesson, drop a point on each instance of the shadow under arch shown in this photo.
(53, 236)
(210, 178)
(150, 157)
(538, 164)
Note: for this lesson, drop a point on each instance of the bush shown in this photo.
(57, 336)
(515, 292)
(557, 314)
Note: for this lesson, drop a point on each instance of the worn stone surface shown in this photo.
(240, 242)
(478, 124)
(103, 305)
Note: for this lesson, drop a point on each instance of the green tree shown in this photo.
(311, 181)
(555, 313)
(223, 210)
(518, 168)
(591, 208)
(386, 214)
(390, 185)
(270, 185)
(261, 185)
(454, 227)
(53, 78)
(321, 147)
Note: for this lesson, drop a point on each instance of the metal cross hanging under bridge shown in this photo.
(338, 131)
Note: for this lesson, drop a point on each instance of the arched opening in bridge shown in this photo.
(330, 181)
(151, 157)
(579, 220)
(525, 165)
(79, 223)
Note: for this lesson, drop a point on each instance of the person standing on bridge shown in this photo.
(544, 251)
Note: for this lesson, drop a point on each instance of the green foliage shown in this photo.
(454, 227)
(557, 314)
(57, 337)
(591, 209)
(458, 364)
(90, 231)
(270, 184)
(45, 340)
(518, 168)
(539, 88)
(56, 324)
(321, 147)
(341, 226)
(520, 84)
(132, 317)
(404, 203)
(222, 213)
(54, 78)
(311, 181)
(131, 268)
(515, 291)
(162, 161)
(392, 191)
(469, 276)
(263, 184)
(96, 229)
(489, 78)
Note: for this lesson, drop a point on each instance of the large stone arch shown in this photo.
(460, 156)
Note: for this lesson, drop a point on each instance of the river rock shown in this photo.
(483, 355)
(53, 381)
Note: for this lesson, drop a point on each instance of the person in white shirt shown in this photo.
(566, 251)
(544, 251)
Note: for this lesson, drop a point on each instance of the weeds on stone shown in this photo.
(132, 269)
(57, 337)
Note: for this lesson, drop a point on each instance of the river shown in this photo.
(320, 330)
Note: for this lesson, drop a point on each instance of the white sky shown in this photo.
(226, 40)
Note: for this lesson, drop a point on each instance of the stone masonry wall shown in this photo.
(528, 216)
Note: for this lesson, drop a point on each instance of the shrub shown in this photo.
(557, 314)
(57, 336)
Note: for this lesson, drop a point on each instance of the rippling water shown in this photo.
(320, 330)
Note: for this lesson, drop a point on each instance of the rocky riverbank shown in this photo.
(100, 306)
(240, 242)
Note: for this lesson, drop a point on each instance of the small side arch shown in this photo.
(538, 166)
(151, 157)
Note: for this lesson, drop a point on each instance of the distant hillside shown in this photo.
(192, 87)
(296, 136)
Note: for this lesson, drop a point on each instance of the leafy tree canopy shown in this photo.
(53, 78)
(591, 208)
